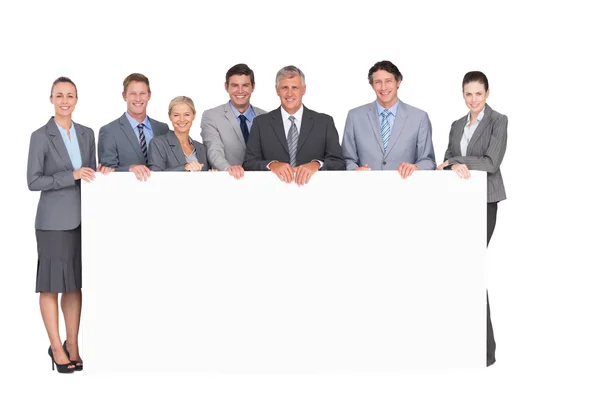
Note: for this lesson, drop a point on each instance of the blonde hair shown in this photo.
(182, 100)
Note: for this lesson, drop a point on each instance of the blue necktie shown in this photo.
(385, 128)
(244, 127)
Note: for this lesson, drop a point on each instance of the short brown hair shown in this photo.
(386, 66)
(136, 77)
(239, 69)
(63, 79)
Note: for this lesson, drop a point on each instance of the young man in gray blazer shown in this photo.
(292, 141)
(123, 143)
(226, 128)
(388, 134)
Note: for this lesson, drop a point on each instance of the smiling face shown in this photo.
(181, 117)
(137, 96)
(240, 89)
(64, 98)
(291, 91)
(386, 87)
(475, 96)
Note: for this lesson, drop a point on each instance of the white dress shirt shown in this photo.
(468, 132)
(287, 124)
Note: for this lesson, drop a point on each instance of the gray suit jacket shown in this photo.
(410, 139)
(223, 137)
(166, 154)
(118, 146)
(50, 170)
(485, 150)
(318, 140)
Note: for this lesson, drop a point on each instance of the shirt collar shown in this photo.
(479, 116)
(393, 109)
(134, 123)
(249, 113)
(64, 131)
(297, 115)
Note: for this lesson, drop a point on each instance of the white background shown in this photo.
(540, 58)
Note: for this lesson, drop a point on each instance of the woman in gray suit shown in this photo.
(61, 154)
(177, 151)
(478, 142)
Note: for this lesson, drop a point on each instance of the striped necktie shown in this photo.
(292, 140)
(385, 128)
(143, 142)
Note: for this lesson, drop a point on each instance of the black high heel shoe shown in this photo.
(77, 367)
(62, 368)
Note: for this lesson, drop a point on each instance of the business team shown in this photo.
(292, 141)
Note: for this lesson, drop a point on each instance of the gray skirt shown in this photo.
(59, 260)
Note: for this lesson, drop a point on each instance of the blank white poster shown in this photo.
(354, 272)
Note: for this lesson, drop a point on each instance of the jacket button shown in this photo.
(385, 162)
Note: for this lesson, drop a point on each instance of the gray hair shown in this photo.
(289, 72)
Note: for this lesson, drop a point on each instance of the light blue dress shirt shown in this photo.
(393, 113)
(148, 133)
(249, 114)
(72, 145)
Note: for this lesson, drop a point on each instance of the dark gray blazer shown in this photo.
(166, 154)
(318, 140)
(118, 146)
(49, 169)
(485, 150)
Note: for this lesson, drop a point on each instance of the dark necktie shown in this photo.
(143, 142)
(244, 127)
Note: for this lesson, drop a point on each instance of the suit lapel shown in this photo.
(485, 121)
(130, 135)
(277, 125)
(199, 155)
(399, 121)
(305, 128)
(176, 148)
(457, 136)
(373, 119)
(58, 143)
(82, 141)
(234, 122)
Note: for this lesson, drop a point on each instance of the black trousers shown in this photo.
(492, 210)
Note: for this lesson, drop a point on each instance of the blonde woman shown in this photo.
(177, 151)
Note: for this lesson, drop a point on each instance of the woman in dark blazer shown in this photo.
(478, 142)
(61, 153)
(177, 151)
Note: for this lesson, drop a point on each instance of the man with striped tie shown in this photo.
(388, 134)
(292, 141)
(123, 143)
